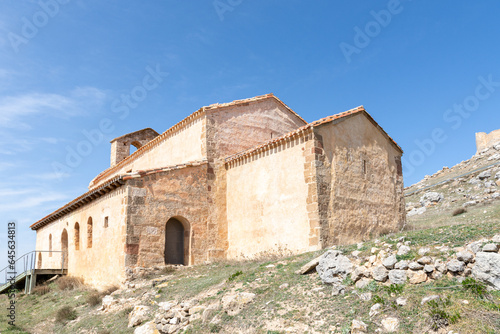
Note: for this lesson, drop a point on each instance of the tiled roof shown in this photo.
(89, 196)
(303, 130)
(200, 112)
(116, 182)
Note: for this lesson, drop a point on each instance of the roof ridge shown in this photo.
(180, 125)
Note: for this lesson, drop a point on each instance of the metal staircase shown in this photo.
(32, 269)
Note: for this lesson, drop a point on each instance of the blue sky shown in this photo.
(427, 71)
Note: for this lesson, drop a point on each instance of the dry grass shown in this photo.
(458, 211)
(69, 283)
(66, 313)
(41, 290)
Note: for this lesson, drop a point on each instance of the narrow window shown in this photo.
(89, 233)
(364, 167)
(50, 245)
(77, 236)
(106, 222)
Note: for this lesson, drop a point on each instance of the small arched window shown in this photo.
(89, 233)
(50, 245)
(77, 236)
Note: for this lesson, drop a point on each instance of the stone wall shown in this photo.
(152, 200)
(484, 140)
(102, 264)
(363, 168)
(120, 147)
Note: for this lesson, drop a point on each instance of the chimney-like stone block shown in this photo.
(120, 147)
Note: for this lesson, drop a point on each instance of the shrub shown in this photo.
(474, 286)
(65, 313)
(41, 290)
(439, 314)
(233, 276)
(396, 289)
(94, 299)
(110, 290)
(69, 283)
(458, 211)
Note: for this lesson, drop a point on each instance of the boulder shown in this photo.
(401, 301)
(358, 327)
(108, 302)
(484, 175)
(423, 251)
(425, 260)
(380, 274)
(417, 277)
(333, 267)
(497, 176)
(397, 276)
(465, 256)
(309, 266)
(403, 250)
(415, 266)
(487, 269)
(390, 324)
(403, 265)
(389, 262)
(363, 283)
(429, 268)
(147, 328)
(455, 266)
(138, 315)
(491, 248)
(359, 273)
(234, 303)
(431, 197)
(417, 211)
(375, 309)
(428, 299)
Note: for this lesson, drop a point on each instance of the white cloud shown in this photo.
(31, 202)
(15, 111)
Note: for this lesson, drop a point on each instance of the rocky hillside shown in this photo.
(472, 182)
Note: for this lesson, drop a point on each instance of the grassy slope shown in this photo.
(305, 306)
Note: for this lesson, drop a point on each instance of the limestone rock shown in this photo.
(147, 328)
(465, 256)
(363, 283)
(497, 176)
(389, 262)
(415, 266)
(417, 277)
(487, 268)
(209, 312)
(359, 273)
(429, 268)
(358, 327)
(484, 175)
(333, 267)
(403, 250)
(234, 303)
(491, 248)
(380, 274)
(417, 211)
(401, 301)
(397, 276)
(390, 324)
(431, 198)
(108, 302)
(138, 315)
(309, 266)
(366, 296)
(338, 289)
(403, 265)
(455, 266)
(375, 309)
(425, 260)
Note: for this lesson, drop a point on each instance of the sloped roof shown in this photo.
(182, 124)
(303, 130)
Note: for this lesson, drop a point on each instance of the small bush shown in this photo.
(94, 299)
(474, 286)
(458, 211)
(214, 328)
(65, 313)
(378, 300)
(233, 276)
(110, 290)
(69, 283)
(396, 289)
(439, 314)
(41, 290)
(410, 256)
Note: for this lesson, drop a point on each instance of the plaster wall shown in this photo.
(484, 140)
(188, 144)
(103, 264)
(365, 194)
(266, 203)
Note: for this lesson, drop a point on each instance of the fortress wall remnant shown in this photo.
(485, 140)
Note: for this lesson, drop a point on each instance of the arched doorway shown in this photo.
(64, 248)
(174, 242)
(39, 261)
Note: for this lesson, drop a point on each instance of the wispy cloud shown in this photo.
(16, 110)
(32, 201)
